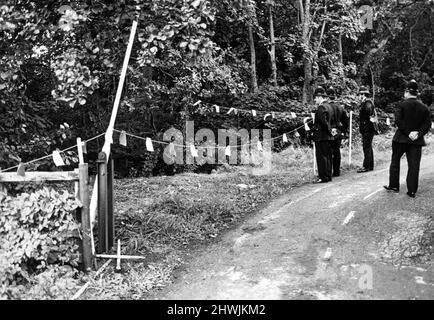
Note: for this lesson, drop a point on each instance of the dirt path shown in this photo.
(375, 238)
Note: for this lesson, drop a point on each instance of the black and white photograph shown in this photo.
(216, 158)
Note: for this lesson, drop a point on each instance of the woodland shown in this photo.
(59, 68)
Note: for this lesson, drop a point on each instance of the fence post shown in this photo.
(85, 217)
(102, 203)
(350, 138)
(110, 217)
(314, 149)
(314, 158)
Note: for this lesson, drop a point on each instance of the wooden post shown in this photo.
(118, 260)
(314, 159)
(350, 138)
(77, 185)
(80, 150)
(314, 147)
(102, 203)
(110, 217)
(85, 216)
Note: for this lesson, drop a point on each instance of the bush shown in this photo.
(36, 229)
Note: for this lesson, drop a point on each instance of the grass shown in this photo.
(163, 217)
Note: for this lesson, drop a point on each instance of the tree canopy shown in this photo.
(60, 61)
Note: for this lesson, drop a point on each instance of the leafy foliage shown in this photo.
(36, 229)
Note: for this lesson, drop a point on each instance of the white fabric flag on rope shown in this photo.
(388, 121)
(273, 114)
(306, 126)
(228, 151)
(260, 146)
(57, 158)
(285, 138)
(266, 116)
(21, 171)
(149, 145)
(123, 139)
(293, 115)
(172, 151)
(432, 125)
(297, 134)
(84, 146)
(217, 108)
(254, 113)
(313, 116)
(193, 151)
(231, 110)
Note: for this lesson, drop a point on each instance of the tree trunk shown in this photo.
(300, 12)
(341, 56)
(373, 83)
(307, 87)
(272, 51)
(307, 59)
(369, 57)
(253, 61)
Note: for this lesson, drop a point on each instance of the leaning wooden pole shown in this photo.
(109, 133)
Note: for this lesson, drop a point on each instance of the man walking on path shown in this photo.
(413, 120)
(367, 129)
(340, 124)
(322, 135)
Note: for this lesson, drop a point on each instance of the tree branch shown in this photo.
(301, 12)
(410, 35)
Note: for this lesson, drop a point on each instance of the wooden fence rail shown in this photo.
(39, 176)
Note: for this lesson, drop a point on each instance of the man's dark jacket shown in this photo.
(412, 115)
(322, 130)
(339, 120)
(366, 112)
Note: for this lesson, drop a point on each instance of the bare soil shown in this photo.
(349, 239)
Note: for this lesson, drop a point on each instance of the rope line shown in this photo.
(185, 146)
(50, 155)
(263, 112)
(217, 147)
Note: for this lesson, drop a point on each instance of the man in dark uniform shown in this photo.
(340, 123)
(322, 134)
(367, 129)
(412, 118)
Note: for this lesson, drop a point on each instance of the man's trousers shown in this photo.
(368, 152)
(414, 155)
(323, 160)
(335, 146)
